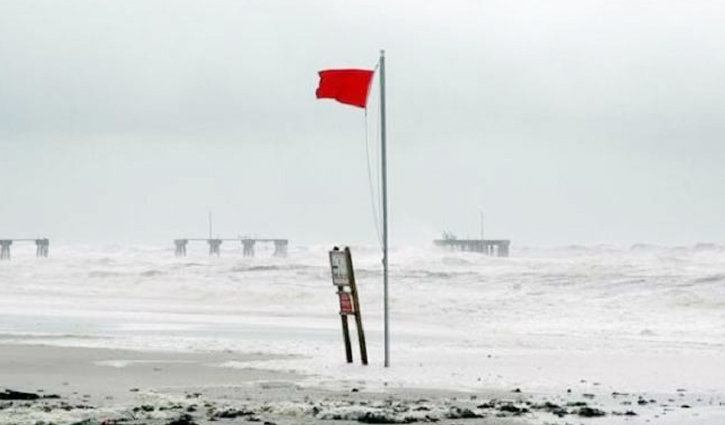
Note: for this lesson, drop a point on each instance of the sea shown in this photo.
(602, 319)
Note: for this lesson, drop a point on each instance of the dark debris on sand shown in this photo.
(589, 412)
(18, 395)
(184, 419)
(230, 413)
(361, 408)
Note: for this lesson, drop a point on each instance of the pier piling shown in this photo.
(214, 246)
(280, 247)
(180, 245)
(248, 245)
(5, 249)
(42, 248)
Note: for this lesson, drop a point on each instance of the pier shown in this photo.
(497, 247)
(41, 247)
(248, 245)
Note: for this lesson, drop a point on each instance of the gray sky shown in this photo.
(596, 121)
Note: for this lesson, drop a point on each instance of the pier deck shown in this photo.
(497, 247)
(248, 244)
(41, 247)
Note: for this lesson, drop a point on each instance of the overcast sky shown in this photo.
(566, 122)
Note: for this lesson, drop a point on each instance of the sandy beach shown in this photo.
(108, 374)
(86, 386)
(105, 386)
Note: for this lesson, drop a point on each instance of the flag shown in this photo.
(348, 86)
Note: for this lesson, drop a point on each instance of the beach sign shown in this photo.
(339, 266)
(343, 277)
(345, 303)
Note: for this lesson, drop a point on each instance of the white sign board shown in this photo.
(338, 263)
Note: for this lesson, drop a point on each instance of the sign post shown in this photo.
(343, 277)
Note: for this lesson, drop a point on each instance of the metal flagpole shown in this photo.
(385, 205)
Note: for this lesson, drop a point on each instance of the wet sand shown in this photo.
(106, 386)
(112, 374)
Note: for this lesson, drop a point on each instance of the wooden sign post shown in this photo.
(343, 277)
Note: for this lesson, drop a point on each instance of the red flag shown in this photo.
(348, 86)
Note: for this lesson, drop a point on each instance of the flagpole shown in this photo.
(385, 206)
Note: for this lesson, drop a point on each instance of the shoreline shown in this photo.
(93, 385)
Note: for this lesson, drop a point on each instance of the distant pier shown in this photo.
(42, 247)
(248, 245)
(497, 247)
